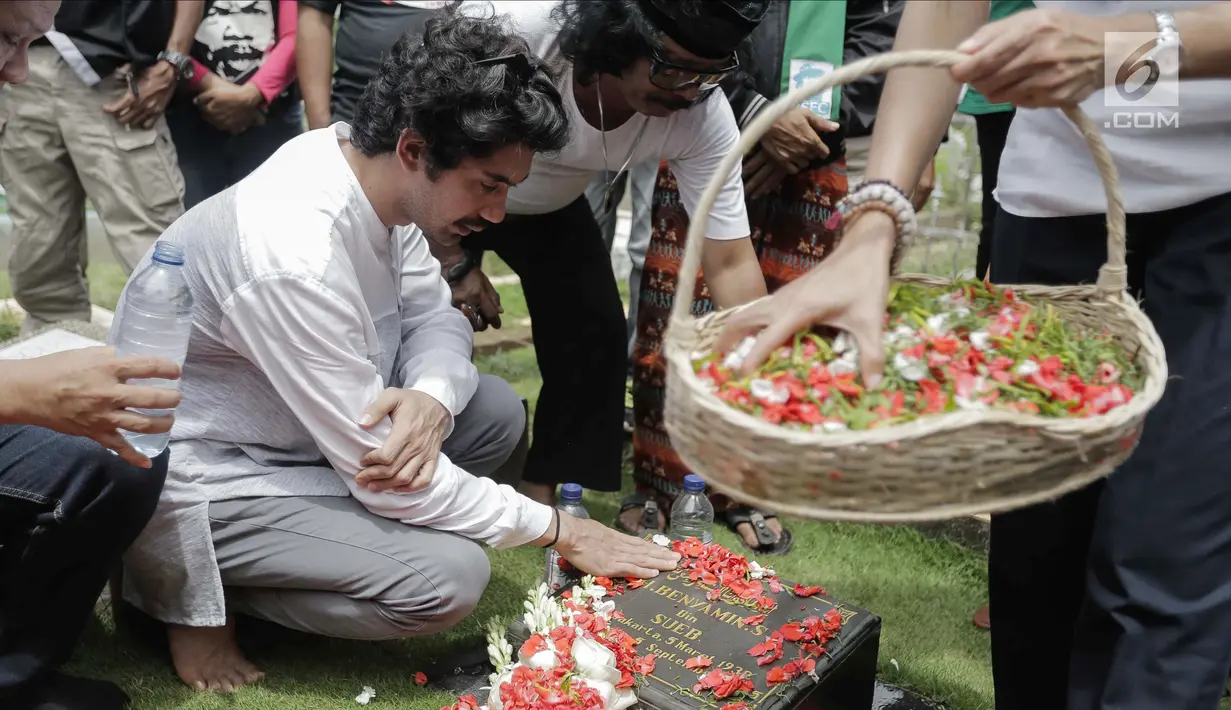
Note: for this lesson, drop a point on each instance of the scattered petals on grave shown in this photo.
(971, 346)
(574, 659)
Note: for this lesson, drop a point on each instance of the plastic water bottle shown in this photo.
(570, 502)
(156, 320)
(692, 514)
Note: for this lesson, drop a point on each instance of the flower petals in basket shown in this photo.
(959, 461)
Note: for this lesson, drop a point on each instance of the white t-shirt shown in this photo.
(1046, 169)
(693, 141)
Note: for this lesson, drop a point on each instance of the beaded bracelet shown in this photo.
(881, 196)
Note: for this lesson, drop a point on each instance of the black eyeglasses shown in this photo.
(675, 77)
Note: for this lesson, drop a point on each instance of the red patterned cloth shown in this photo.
(789, 235)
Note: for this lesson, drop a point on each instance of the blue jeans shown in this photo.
(213, 160)
(68, 510)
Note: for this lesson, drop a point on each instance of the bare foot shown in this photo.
(208, 658)
(749, 533)
(539, 492)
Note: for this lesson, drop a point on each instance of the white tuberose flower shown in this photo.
(365, 696)
(767, 392)
(910, 368)
(735, 358)
(661, 540)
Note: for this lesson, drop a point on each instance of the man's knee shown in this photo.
(459, 573)
(496, 419)
(114, 488)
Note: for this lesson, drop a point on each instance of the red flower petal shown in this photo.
(697, 663)
(420, 678)
(802, 591)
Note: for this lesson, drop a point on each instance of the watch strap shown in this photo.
(182, 62)
(471, 258)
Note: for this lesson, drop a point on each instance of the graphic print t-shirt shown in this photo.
(366, 30)
(234, 36)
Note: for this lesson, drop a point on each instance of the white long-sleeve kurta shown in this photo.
(306, 308)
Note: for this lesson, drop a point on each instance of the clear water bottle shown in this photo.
(692, 514)
(556, 576)
(156, 320)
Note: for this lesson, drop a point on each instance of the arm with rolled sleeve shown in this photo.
(437, 340)
(309, 342)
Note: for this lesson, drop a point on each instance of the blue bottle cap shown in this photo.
(570, 493)
(694, 483)
(168, 253)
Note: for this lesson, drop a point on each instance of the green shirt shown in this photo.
(973, 102)
(815, 37)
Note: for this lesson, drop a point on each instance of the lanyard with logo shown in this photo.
(815, 38)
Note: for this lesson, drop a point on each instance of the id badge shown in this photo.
(806, 70)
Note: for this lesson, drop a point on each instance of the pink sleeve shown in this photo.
(278, 70)
(199, 71)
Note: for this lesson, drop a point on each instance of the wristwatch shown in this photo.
(471, 259)
(1168, 37)
(181, 62)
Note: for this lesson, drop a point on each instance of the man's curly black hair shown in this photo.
(608, 37)
(461, 109)
(604, 37)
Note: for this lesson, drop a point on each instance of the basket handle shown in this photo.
(1112, 278)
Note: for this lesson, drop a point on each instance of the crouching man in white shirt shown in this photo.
(321, 461)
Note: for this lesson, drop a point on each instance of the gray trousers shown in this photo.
(326, 565)
(642, 178)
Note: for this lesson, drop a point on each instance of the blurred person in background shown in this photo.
(88, 123)
(366, 30)
(240, 102)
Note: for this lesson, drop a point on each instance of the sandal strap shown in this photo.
(765, 536)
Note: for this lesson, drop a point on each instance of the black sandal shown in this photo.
(737, 514)
(648, 525)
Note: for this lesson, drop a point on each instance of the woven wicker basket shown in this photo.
(935, 467)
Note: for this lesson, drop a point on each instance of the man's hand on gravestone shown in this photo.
(407, 460)
(596, 549)
(85, 393)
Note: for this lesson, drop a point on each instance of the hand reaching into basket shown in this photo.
(848, 290)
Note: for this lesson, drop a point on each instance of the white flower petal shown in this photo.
(1026, 368)
(981, 340)
(910, 368)
(842, 367)
(939, 323)
(661, 540)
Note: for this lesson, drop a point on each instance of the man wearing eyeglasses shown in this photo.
(639, 80)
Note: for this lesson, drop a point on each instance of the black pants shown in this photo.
(68, 510)
(1133, 574)
(992, 130)
(579, 338)
(213, 160)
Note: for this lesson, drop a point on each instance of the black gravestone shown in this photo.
(672, 618)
